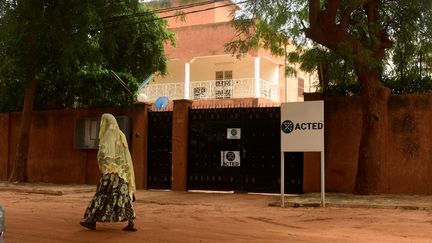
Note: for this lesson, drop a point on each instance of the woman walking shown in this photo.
(115, 191)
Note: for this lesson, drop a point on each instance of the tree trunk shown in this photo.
(19, 170)
(322, 77)
(372, 152)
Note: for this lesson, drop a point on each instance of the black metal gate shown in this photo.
(239, 149)
(159, 149)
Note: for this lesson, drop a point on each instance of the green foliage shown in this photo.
(72, 45)
(409, 85)
(270, 24)
(404, 25)
(336, 75)
(11, 95)
(109, 92)
(411, 57)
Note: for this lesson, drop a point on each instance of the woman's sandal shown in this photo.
(88, 225)
(130, 227)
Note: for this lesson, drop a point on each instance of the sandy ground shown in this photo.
(200, 217)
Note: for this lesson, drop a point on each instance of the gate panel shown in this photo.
(159, 147)
(258, 149)
(261, 143)
(207, 138)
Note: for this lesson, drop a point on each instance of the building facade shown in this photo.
(200, 68)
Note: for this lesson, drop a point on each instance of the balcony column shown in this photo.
(276, 80)
(257, 77)
(276, 75)
(187, 81)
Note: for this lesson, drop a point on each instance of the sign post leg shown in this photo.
(282, 179)
(322, 181)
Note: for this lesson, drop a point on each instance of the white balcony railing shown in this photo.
(173, 91)
(213, 89)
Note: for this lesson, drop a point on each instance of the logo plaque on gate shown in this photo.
(230, 158)
(233, 133)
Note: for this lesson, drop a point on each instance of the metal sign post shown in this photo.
(302, 130)
(322, 180)
(283, 179)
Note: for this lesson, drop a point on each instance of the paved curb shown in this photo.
(348, 205)
(312, 200)
(49, 189)
(343, 200)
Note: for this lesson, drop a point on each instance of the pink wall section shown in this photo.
(52, 157)
(409, 153)
(409, 168)
(208, 40)
(198, 15)
(204, 33)
(200, 40)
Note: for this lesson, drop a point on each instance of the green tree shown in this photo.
(336, 75)
(409, 62)
(360, 31)
(66, 47)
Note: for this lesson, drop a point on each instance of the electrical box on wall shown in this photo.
(86, 131)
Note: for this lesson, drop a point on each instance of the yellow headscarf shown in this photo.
(113, 155)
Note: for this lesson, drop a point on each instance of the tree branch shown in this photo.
(331, 9)
(314, 11)
(345, 18)
(378, 35)
(371, 9)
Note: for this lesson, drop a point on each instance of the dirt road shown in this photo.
(199, 217)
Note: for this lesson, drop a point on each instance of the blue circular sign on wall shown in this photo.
(161, 102)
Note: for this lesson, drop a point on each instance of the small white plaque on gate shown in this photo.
(233, 133)
(230, 158)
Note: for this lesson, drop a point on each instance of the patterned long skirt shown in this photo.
(111, 203)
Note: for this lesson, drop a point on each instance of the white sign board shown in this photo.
(230, 158)
(233, 133)
(302, 126)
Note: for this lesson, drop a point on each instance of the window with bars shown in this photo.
(300, 87)
(224, 84)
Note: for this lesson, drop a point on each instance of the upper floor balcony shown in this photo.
(214, 89)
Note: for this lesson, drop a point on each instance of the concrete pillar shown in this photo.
(187, 81)
(257, 77)
(180, 127)
(139, 136)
